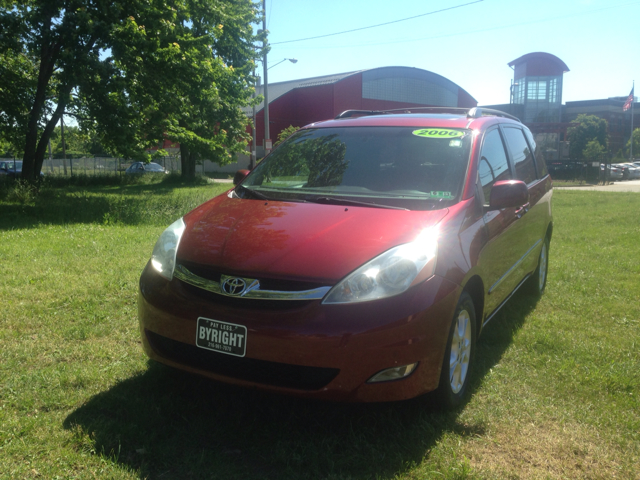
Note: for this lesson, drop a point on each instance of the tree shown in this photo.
(286, 133)
(6, 149)
(593, 152)
(78, 143)
(590, 128)
(636, 143)
(134, 70)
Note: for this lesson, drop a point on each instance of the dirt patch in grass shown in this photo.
(545, 450)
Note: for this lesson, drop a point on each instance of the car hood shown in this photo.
(303, 241)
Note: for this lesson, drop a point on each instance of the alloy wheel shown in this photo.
(460, 351)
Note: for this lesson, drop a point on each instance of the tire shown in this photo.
(538, 281)
(458, 356)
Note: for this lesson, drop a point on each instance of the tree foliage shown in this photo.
(284, 134)
(635, 137)
(593, 152)
(590, 128)
(134, 71)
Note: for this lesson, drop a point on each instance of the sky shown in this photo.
(470, 42)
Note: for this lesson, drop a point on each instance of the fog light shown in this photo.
(394, 373)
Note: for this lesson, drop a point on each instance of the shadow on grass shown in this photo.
(133, 204)
(61, 210)
(168, 424)
(498, 334)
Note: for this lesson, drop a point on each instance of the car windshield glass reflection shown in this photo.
(389, 164)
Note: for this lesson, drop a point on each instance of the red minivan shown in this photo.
(359, 261)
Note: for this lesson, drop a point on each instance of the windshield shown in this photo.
(410, 167)
(17, 165)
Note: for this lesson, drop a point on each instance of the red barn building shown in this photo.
(300, 102)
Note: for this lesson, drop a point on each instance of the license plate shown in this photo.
(221, 337)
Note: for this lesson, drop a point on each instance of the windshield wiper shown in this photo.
(262, 196)
(256, 194)
(355, 203)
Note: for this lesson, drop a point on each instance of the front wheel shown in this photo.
(458, 357)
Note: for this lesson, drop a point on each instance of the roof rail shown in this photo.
(457, 110)
(351, 113)
(477, 112)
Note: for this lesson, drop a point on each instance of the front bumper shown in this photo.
(304, 348)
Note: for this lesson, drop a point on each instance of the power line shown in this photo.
(468, 32)
(378, 25)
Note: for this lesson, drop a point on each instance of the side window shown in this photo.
(493, 164)
(521, 154)
(540, 163)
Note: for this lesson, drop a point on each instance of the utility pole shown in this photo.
(64, 149)
(633, 90)
(252, 161)
(267, 136)
(50, 157)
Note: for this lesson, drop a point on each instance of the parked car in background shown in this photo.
(139, 168)
(623, 168)
(12, 168)
(359, 261)
(634, 170)
(615, 172)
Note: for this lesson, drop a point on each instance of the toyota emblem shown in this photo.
(234, 286)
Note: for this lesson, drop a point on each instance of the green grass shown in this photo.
(556, 391)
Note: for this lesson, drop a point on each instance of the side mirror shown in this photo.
(508, 194)
(240, 176)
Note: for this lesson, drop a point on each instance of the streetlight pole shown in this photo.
(252, 161)
(292, 60)
(267, 135)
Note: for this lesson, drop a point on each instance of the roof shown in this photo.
(281, 88)
(540, 64)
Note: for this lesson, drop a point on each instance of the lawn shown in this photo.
(556, 390)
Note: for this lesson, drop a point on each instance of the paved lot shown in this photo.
(626, 186)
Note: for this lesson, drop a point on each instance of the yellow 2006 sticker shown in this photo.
(438, 133)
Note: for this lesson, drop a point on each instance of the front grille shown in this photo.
(247, 303)
(242, 368)
(266, 283)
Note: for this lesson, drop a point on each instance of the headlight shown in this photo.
(163, 258)
(388, 274)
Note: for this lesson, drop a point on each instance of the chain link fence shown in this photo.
(594, 170)
(100, 165)
(96, 165)
(117, 166)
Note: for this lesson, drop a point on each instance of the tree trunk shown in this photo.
(188, 162)
(48, 57)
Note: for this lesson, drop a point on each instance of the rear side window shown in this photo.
(521, 154)
(540, 163)
(493, 164)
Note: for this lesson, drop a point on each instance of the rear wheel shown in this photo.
(458, 357)
(538, 280)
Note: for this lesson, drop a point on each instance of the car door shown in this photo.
(501, 252)
(531, 227)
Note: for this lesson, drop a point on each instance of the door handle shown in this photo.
(522, 210)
